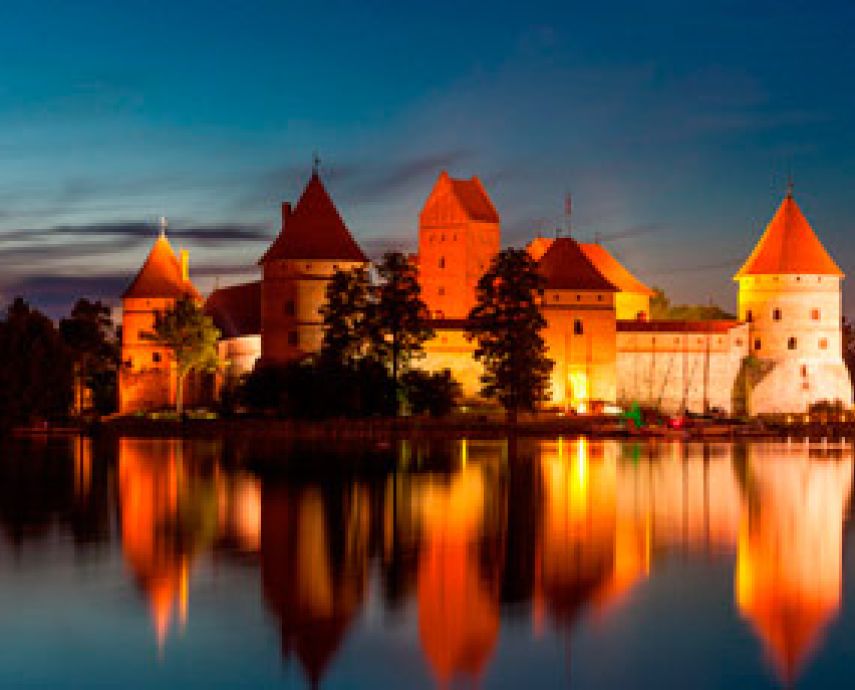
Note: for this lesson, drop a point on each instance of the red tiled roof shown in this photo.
(460, 200)
(236, 310)
(612, 269)
(473, 197)
(789, 246)
(667, 326)
(565, 267)
(314, 230)
(160, 275)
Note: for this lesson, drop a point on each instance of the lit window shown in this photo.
(757, 344)
(776, 314)
(791, 343)
(814, 314)
(293, 338)
(823, 343)
(578, 328)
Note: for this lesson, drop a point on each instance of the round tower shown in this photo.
(790, 294)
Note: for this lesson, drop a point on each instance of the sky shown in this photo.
(673, 125)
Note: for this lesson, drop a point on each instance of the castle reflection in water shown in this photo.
(465, 535)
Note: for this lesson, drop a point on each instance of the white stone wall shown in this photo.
(674, 370)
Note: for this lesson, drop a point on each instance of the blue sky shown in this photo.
(673, 126)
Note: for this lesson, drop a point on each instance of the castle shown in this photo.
(782, 354)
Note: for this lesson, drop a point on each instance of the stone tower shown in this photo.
(313, 243)
(458, 238)
(789, 293)
(147, 378)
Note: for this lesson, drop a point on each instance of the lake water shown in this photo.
(562, 563)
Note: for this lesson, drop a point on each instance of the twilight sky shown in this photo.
(673, 127)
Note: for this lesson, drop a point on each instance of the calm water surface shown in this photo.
(563, 563)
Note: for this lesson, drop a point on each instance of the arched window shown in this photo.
(814, 314)
(791, 343)
(776, 314)
(578, 327)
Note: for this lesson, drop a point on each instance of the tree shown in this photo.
(398, 316)
(507, 324)
(35, 367)
(662, 309)
(345, 316)
(192, 338)
(91, 336)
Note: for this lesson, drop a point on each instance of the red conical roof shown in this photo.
(789, 246)
(314, 230)
(565, 267)
(160, 275)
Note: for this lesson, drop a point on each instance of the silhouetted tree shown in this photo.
(91, 336)
(35, 367)
(399, 322)
(346, 316)
(192, 338)
(507, 324)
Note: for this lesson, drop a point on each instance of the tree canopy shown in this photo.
(662, 309)
(507, 324)
(191, 337)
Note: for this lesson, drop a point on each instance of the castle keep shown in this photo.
(782, 354)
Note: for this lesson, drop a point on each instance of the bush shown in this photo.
(431, 393)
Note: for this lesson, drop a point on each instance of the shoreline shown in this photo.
(381, 429)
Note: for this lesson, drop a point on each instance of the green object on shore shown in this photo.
(635, 415)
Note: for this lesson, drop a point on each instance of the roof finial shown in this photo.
(163, 223)
(316, 163)
(790, 185)
(568, 210)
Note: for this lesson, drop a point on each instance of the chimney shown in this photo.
(286, 212)
(185, 264)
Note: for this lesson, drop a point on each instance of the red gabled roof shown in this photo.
(314, 230)
(236, 310)
(565, 267)
(458, 201)
(612, 269)
(789, 245)
(160, 275)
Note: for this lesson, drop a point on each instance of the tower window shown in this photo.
(791, 343)
(804, 371)
(599, 298)
(578, 327)
(290, 308)
(293, 338)
(440, 291)
(823, 343)
(155, 357)
(776, 314)
(749, 316)
(757, 343)
(814, 314)
(578, 298)
(442, 262)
